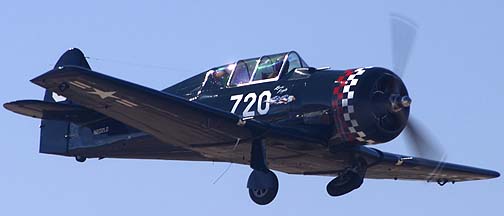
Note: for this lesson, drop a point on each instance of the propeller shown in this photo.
(403, 32)
(421, 143)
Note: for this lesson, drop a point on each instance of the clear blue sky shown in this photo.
(454, 77)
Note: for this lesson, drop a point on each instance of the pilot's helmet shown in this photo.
(277, 66)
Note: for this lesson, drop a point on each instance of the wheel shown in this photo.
(80, 158)
(262, 186)
(344, 183)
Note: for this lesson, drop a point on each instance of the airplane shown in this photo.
(273, 112)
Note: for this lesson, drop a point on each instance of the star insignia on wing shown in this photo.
(104, 94)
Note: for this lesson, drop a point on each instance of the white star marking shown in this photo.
(104, 94)
(58, 98)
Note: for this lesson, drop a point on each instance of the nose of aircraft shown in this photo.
(390, 101)
(373, 106)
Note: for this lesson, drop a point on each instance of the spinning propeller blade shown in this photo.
(421, 143)
(403, 38)
(403, 32)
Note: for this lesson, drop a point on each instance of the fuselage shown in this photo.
(334, 106)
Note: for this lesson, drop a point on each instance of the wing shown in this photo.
(395, 166)
(169, 118)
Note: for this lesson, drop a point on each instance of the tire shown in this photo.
(344, 184)
(80, 158)
(264, 196)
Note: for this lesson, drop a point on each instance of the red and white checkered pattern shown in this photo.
(344, 92)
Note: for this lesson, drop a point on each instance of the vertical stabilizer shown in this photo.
(54, 134)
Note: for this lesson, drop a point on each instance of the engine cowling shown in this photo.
(370, 106)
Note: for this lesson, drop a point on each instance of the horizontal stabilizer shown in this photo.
(52, 111)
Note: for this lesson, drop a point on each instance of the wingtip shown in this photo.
(9, 105)
(490, 174)
(38, 80)
(496, 174)
(12, 106)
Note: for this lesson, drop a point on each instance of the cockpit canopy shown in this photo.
(255, 70)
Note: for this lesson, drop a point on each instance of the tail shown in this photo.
(55, 134)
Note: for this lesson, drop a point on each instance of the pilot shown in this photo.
(221, 77)
(277, 67)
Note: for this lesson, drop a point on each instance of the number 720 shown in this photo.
(263, 104)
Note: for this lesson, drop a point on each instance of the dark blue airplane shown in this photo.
(272, 113)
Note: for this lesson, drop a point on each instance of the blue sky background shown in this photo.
(454, 77)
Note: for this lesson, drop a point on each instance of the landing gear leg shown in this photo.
(349, 180)
(262, 182)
